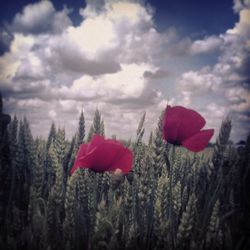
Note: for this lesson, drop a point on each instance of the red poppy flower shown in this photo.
(103, 155)
(182, 126)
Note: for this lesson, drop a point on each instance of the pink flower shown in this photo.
(103, 155)
(182, 126)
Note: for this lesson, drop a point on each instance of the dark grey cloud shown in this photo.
(26, 72)
(234, 63)
(158, 74)
(180, 48)
(59, 55)
(243, 69)
(148, 98)
(26, 91)
(5, 40)
(70, 59)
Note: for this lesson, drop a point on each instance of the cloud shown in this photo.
(185, 47)
(206, 45)
(116, 59)
(239, 99)
(30, 69)
(47, 21)
(194, 85)
(5, 39)
(97, 47)
(122, 33)
(65, 55)
(52, 114)
(224, 87)
(242, 27)
(241, 4)
(149, 98)
(179, 47)
(158, 74)
(127, 83)
(216, 111)
(199, 81)
(51, 71)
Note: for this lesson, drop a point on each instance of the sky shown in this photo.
(125, 58)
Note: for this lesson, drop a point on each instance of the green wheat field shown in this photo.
(173, 198)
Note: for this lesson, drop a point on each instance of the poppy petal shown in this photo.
(104, 156)
(171, 122)
(81, 152)
(95, 142)
(181, 123)
(198, 141)
(124, 162)
(113, 141)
